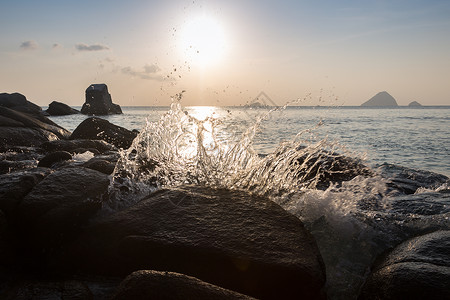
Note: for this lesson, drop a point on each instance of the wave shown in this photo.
(355, 212)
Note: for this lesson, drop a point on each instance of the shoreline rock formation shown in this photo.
(60, 109)
(99, 102)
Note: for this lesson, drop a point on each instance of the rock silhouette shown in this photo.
(381, 99)
(99, 102)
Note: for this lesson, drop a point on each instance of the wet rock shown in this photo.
(75, 146)
(422, 204)
(55, 157)
(22, 136)
(99, 102)
(20, 129)
(99, 129)
(60, 109)
(15, 186)
(228, 238)
(19, 102)
(7, 166)
(57, 207)
(100, 165)
(416, 269)
(57, 290)
(407, 181)
(18, 158)
(145, 284)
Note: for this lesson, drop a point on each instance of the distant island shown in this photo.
(414, 104)
(381, 99)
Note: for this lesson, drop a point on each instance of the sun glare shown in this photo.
(203, 41)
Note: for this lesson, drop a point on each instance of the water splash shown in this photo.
(350, 208)
(181, 149)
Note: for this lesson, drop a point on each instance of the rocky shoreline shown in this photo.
(59, 240)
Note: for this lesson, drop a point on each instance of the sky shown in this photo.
(226, 52)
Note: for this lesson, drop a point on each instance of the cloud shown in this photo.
(29, 45)
(151, 68)
(94, 47)
(57, 46)
(149, 73)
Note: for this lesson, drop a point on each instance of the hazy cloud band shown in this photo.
(94, 47)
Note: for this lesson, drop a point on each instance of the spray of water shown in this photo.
(344, 204)
(181, 149)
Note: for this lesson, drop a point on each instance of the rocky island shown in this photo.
(99, 101)
(381, 99)
(414, 104)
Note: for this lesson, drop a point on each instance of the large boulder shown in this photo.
(147, 284)
(15, 186)
(54, 158)
(99, 129)
(99, 102)
(19, 102)
(22, 129)
(56, 209)
(228, 238)
(416, 269)
(60, 109)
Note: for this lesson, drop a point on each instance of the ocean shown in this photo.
(362, 180)
(417, 138)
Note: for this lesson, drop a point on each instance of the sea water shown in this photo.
(293, 155)
(412, 137)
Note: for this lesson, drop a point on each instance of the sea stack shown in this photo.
(99, 102)
(381, 99)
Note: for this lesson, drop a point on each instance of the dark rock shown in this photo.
(23, 136)
(20, 129)
(422, 204)
(232, 239)
(404, 180)
(381, 99)
(99, 129)
(7, 253)
(8, 122)
(84, 150)
(100, 165)
(414, 104)
(7, 166)
(53, 158)
(58, 206)
(99, 102)
(30, 121)
(61, 289)
(18, 158)
(15, 186)
(75, 145)
(145, 284)
(60, 109)
(416, 269)
(18, 101)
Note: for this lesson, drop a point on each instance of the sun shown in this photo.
(203, 41)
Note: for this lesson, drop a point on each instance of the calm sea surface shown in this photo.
(417, 138)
